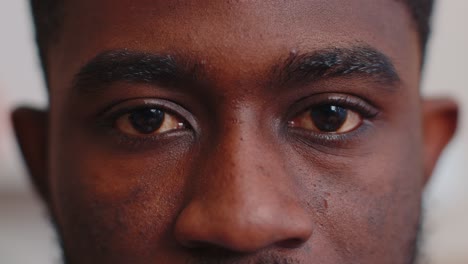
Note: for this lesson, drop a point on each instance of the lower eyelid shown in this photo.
(155, 141)
(333, 140)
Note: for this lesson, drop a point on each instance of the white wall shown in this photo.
(26, 237)
(447, 197)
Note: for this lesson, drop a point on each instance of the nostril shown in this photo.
(220, 228)
(209, 249)
(195, 244)
(290, 243)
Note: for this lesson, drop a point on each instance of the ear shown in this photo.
(440, 118)
(31, 132)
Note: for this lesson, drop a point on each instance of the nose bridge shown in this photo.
(243, 199)
(243, 161)
(243, 167)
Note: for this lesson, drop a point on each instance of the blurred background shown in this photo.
(27, 237)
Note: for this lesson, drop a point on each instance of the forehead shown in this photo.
(236, 33)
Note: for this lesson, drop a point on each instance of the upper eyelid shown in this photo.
(349, 101)
(166, 112)
(161, 103)
(129, 110)
(133, 104)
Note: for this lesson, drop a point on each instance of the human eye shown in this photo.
(328, 118)
(147, 121)
(332, 117)
(141, 122)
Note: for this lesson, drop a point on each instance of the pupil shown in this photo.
(328, 118)
(147, 120)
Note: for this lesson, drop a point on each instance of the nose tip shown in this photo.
(199, 227)
(243, 197)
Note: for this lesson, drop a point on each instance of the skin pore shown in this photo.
(236, 131)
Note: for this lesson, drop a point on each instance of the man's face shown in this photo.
(236, 132)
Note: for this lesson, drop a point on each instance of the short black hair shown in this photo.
(47, 15)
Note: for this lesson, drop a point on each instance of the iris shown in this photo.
(146, 120)
(328, 118)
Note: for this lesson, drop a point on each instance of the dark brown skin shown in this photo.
(247, 177)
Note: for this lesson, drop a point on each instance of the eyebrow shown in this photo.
(167, 70)
(133, 67)
(357, 61)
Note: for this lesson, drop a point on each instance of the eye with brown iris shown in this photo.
(147, 121)
(328, 119)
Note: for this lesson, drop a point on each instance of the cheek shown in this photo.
(118, 201)
(366, 203)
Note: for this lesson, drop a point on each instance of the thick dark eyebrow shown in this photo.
(358, 61)
(164, 69)
(133, 67)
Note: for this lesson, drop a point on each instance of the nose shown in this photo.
(243, 200)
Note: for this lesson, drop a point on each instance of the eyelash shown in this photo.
(369, 113)
(108, 118)
(358, 105)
